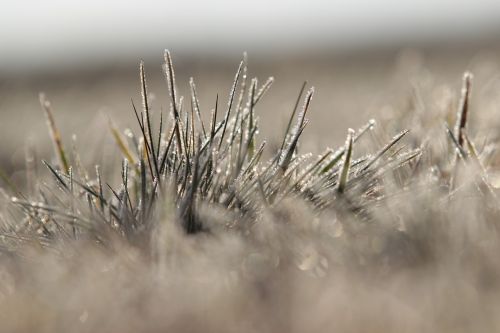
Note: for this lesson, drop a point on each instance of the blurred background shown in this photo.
(363, 57)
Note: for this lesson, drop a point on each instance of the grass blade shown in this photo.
(344, 171)
(54, 134)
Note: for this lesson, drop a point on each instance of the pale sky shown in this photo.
(36, 33)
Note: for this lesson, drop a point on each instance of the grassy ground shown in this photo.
(206, 226)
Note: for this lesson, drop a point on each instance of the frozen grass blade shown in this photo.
(160, 131)
(463, 108)
(214, 119)
(384, 150)
(484, 174)
(340, 153)
(54, 134)
(251, 129)
(309, 172)
(344, 171)
(99, 186)
(56, 175)
(148, 136)
(262, 91)
(170, 77)
(292, 116)
(145, 151)
(196, 104)
(286, 158)
(230, 103)
(458, 147)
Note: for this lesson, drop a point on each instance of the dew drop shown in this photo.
(372, 124)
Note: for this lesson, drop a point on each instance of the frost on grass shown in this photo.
(209, 230)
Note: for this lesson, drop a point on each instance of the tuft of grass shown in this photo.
(201, 211)
(220, 166)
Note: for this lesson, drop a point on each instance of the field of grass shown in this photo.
(197, 223)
